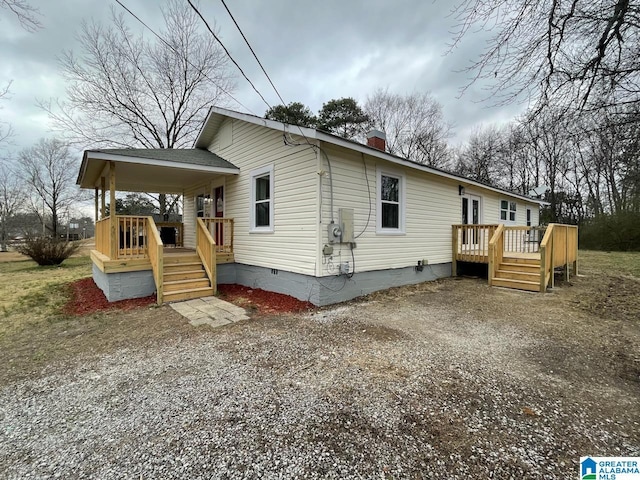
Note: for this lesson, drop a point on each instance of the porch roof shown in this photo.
(153, 170)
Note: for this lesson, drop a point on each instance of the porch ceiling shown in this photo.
(147, 170)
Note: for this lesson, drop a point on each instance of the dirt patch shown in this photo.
(87, 298)
(261, 301)
(451, 379)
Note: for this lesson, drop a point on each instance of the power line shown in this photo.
(266, 75)
(178, 53)
(227, 51)
(254, 53)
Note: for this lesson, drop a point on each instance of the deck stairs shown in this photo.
(519, 273)
(184, 278)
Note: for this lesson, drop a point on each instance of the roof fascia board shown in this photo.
(160, 163)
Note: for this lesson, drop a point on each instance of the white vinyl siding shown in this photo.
(432, 205)
(292, 245)
(189, 212)
(492, 202)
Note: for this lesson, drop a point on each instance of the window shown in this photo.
(202, 203)
(261, 213)
(390, 203)
(507, 211)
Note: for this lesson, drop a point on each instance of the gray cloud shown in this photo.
(313, 51)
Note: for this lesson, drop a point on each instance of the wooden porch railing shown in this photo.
(102, 236)
(496, 251)
(558, 248)
(132, 236)
(206, 249)
(156, 257)
(522, 239)
(221, 229)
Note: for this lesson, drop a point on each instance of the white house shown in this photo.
(298, 211)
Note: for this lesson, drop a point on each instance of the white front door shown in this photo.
(470, 216)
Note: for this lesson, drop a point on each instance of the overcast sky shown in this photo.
(314, 51)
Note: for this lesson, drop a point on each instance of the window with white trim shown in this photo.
(261, 214)
(391, 200)
(507, 211)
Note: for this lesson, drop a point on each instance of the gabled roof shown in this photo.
(153, 169)
(189, 156)
(217, 115)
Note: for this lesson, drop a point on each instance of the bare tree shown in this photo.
(12, 197)
(578, 53)
(478, 159)
(26, 14)
(6, 131)
(414, 125)
(124, 91)
(49, 171)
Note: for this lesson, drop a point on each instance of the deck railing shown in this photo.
(496, 251)
(206, 249)
(133, 236)
(559, 247)
(103, 236)
(156, 257)
(471, 242)
(523, 239)
(221, 229)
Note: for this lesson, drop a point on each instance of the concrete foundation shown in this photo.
(327, 290)
(319, 291)
(122, 286)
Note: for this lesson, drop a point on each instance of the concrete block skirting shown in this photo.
(327, 290)
(319, 291)
(122, 286)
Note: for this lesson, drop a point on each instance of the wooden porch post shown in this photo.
(103, 207)
(454, 252)
(113, 220)
(566, 253)
(95, 201)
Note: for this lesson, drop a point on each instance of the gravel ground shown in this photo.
(428, 383)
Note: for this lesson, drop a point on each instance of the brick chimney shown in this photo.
(377, 139)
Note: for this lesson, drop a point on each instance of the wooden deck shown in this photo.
(482, 256)
(127, 243)
(519, 257)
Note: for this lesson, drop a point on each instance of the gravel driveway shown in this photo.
(429, 382)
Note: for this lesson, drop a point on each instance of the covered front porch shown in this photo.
(520, 257)
(135, 254)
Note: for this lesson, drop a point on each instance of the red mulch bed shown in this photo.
(87, 298)
(261, 300)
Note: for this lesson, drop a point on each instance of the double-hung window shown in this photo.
(391, 195)
(261, 213)
(507, 211)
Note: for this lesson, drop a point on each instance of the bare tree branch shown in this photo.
(24, 12)
(578, 53)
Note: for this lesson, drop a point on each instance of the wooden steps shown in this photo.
(518, 273)
(184, 278)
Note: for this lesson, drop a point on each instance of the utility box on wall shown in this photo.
(345, 216)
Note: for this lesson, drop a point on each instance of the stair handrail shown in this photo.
(496, 249)
(206, 249)
(546, 258)
(156, 257)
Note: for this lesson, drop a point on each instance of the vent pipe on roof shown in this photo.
(377, 139)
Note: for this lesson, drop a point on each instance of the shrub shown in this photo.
(617, 232)
(47, 251)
